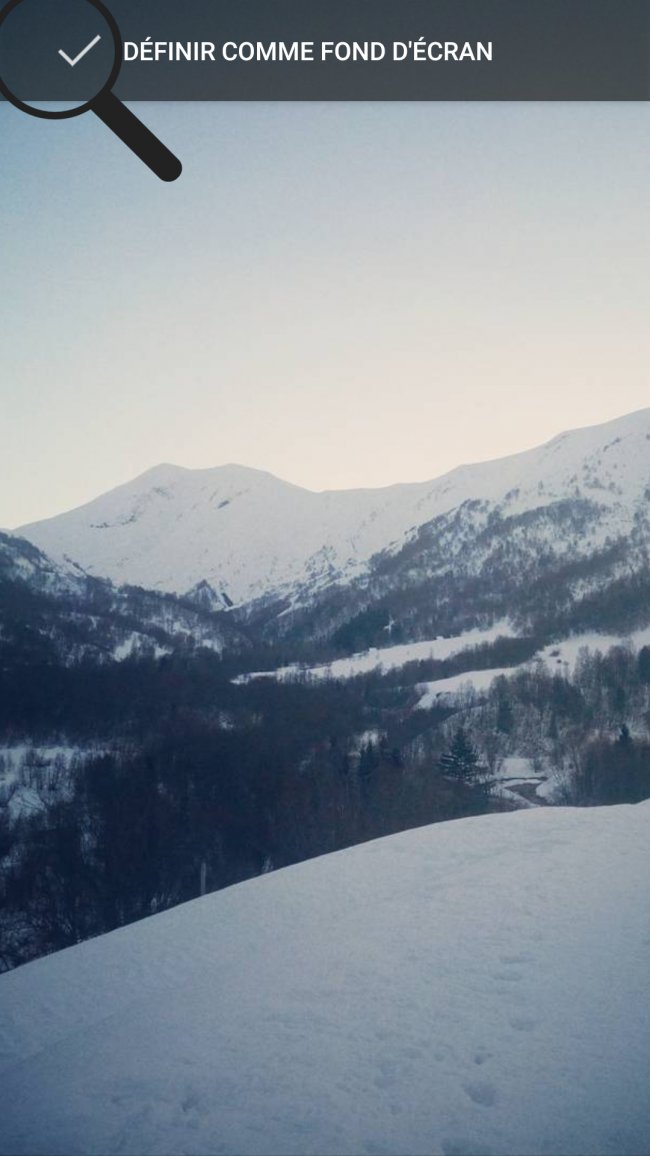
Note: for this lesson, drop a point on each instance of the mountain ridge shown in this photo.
(250, 534)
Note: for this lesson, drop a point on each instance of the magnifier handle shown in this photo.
(137, 136)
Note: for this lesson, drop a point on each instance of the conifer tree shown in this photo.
(461, 760)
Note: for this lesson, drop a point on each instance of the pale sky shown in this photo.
(345, 295)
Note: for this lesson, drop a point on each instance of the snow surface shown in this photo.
(247, 532)
(459, 684)
(552, 786)
(516, 767)
(565, 654)
(561, 656)
(134, 643)
(479, 986)
(516, 771)
(387, 657)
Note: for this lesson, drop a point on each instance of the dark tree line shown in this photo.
(203, 784)
(198, 782)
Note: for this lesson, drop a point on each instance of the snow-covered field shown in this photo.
(458, 684)
(478, 986)
(387, 657)
(560, 656)
(564, 655)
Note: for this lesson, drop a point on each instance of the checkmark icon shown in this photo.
(75, 60)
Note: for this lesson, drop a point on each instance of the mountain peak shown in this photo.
(224, 469)
(247, 532)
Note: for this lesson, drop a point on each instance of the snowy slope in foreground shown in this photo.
(248, 533)
(472, 987)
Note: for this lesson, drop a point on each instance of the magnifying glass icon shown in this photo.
(60, 59)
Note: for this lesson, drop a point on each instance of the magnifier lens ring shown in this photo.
(87, 106)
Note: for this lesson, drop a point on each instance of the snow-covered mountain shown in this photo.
(239, 534)
(22, 562)
(478, 986)
(52, 611)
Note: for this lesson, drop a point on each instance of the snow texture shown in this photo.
(475, 987)
(387, 657)
(247, 533)
(564, 655)
(558, 656)
(450, 689)
(561, 656)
